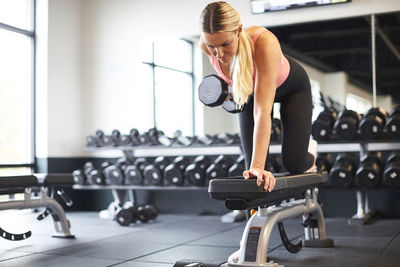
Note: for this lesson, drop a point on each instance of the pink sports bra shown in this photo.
(284, 66)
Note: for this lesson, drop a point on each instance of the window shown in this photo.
(171, 61)
(358, 104)
(16, 86)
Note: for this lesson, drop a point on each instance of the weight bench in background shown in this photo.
(293, 195)
(46, 186)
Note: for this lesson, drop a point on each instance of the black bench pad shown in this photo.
(55, 179)
(246, 192)
(17, 183)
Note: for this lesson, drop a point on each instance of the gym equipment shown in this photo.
(174, 172)
(113, 175)
(133, 176)
(343, 170)
(134, 134)
(105, 140)
(214, 91)
(240, 194)
(275, 130)
(134, 172)
(93, 175)
(219, 168)
(195, 173)
(92, 141)
(369, 172)
(322, 127)
(121, 140)
(47, 185)
(346, 125)
(273, 165)
(206, 140)
(79, 177)
(127, 214)
(158, 138)
(372, 124)
(324, 162)
(393, 123)
(131, 213)
(237, 168)
(153, 173)
(391, 174)
(147, 213)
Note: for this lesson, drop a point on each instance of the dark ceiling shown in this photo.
(345, 45)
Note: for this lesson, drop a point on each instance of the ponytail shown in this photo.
(242, 70)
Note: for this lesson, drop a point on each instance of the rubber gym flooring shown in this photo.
(102, 242)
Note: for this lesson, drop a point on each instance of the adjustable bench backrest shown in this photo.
(56, 179)
(16, 184)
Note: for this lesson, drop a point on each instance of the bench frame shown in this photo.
(43, 199)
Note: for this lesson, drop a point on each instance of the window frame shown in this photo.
(31, 34)
(153, 66)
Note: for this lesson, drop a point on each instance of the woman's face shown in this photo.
(223, 45)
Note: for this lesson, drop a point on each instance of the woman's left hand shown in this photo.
(262, 175)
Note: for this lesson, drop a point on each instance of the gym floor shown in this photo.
(102, 242)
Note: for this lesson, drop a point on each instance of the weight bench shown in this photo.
(45, 185)
(293, 195)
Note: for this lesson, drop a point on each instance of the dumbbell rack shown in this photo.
(121, 192)
(362, 216)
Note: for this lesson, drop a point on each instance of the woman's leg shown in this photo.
(296, 112)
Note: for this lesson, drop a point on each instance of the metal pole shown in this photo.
(373, 60)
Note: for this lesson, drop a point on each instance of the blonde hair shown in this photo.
(222, 17)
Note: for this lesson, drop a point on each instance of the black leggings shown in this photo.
(296, 111)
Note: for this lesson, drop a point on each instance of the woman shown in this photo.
(251, 61)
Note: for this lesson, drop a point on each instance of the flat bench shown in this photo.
(45, 185)
(292, 196)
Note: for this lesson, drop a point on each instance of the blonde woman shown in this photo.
(252, 62)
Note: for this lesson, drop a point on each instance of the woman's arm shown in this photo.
(267, 62)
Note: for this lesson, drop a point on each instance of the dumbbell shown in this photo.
(121, 139)
(195, 173)
(391, 174)
(214, 91)
(127, 214)
(133, 175)
(183, 140)
(135, 137)
(238, 167)
(79, 177)
(174, 172)
(158, 138)
(93, 175)
(131, 213)
(225, 138)
(205, 140)
(324, 162)
(105, 140)
(134, 172)
(372, 124)
(147, 213)
(272, 164)
(393, 123)
(152, 173)
(369, 172)
(321, 129)
(219, 168)
(275, 130)
(114, 174)
(93, 141)
(343, 170)
(347, 124)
